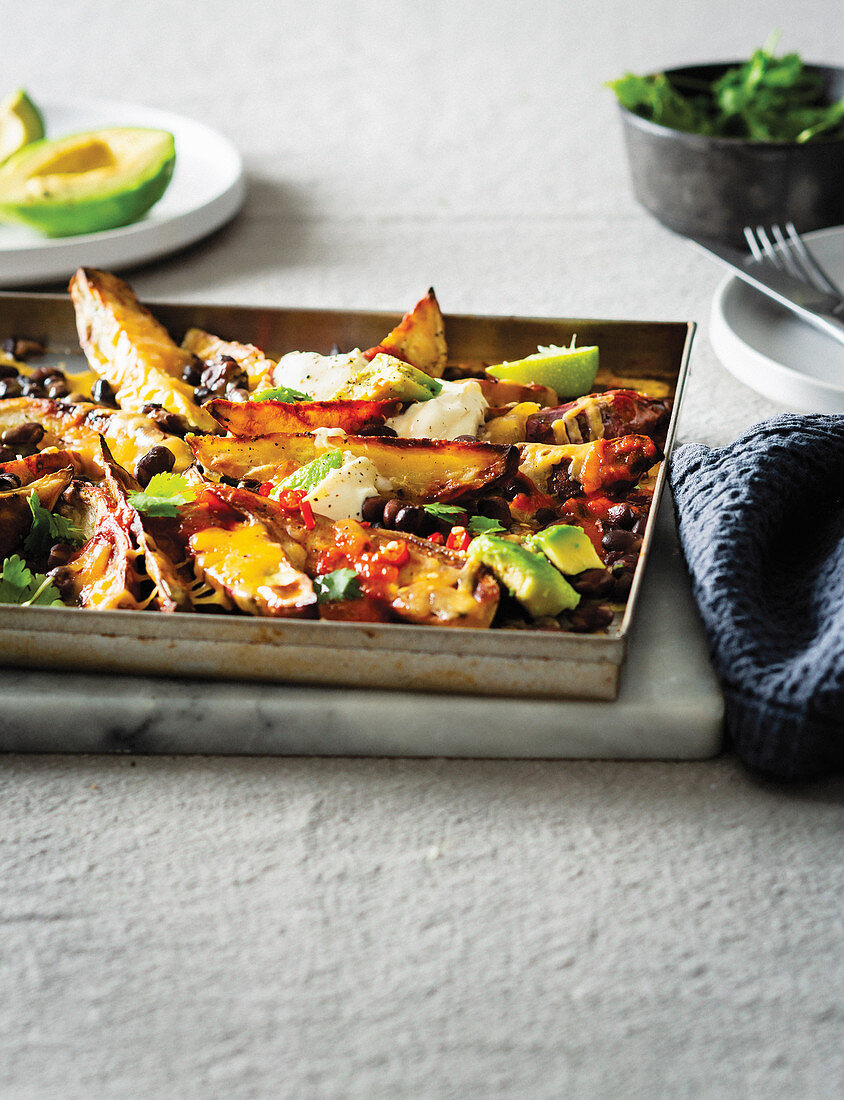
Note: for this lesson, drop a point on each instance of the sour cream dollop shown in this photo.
(458, 409)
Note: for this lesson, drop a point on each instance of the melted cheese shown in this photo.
(567, 428)
(458, 409)
(247, 564)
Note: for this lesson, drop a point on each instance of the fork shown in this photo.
(789, 252)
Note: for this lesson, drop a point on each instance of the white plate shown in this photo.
(773, 352)
(207, 189)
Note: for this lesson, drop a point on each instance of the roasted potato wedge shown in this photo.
(78, 427)
(128, 347)
(15, 513)
(419, 338)
(429, 585)
(259, 369)
(419, 469)
(243, 559)
(103, 574)
(249, 419)
(499, 392)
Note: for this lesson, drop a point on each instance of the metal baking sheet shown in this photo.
(533, 664)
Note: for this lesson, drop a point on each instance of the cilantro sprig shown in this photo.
(18, 584)
(48, 528)
(767, 98)
(163, 496)
(444, 511)
(340, 584)
(484, 525)
(281, 393)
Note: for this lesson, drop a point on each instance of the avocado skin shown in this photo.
(531, 577)
(118, 204)
(568, 547)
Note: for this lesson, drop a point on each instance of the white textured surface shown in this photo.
(314, 928)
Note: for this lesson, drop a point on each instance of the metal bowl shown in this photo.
(713, 186)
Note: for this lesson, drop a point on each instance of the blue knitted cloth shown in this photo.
(761, 524)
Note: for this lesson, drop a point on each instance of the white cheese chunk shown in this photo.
(319, 376)
(341, 493)
(458, 409)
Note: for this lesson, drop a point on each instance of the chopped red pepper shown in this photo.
(437, 537)
(265, 489)
(394, 552)
(458, 539)
(307, 514)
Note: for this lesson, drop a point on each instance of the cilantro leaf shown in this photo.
(340, 584)
(163, 496)
(307, 477)
(18, 584)
(444, 511)
(766, 98)
(281, 393)
(479, 525)
(47, 529)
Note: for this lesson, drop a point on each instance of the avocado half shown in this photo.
(86, 182)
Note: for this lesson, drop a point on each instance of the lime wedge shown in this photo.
(20, 123)
(570, 372)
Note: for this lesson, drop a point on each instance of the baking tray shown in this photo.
(533, 664)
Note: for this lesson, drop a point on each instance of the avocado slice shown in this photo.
(386, 378)
(531, 577)
(86, 182)
(568, 547)
(20, 123)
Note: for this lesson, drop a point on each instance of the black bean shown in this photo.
(57, 389)
(41, 374)
(589, 617)
(378, 430)
(26, 433)
(250, 483)
(617, 539)
(622, 581)
(544, 516)
(75, 398)
(169, 422)
(7, 372)
(372, 509)
(593, 582)
(221, 372)
(639, 526)
(408, 519)
(7, 454)
(102, 393)
(496, 508)
(157, 460)
(31, 388)
(8, 482)
(622, 515)
(391, 510)
(10, 387)
(192, 374)
(59, 555)
(22, 348)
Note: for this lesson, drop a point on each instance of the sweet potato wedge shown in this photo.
(249, 419)
(601, 416)
(127, 346)
(419, 338)
(588, 467)
(418, 469)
